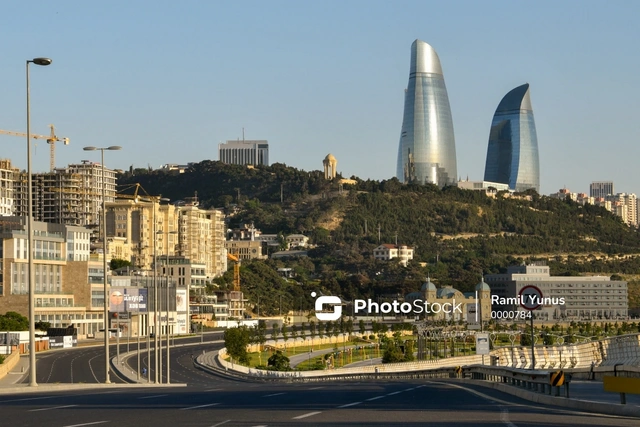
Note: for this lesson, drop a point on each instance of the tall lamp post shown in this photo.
(104, 260)
(32, 290)
(167, 296)
(156, 310)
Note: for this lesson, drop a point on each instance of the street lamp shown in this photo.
(32, 290)
(104, 259)
(156, 312)
(167, 295)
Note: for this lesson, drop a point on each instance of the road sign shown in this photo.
(530, 297)
(482, 343)
(556, 378)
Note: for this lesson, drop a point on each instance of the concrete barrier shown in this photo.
(9, 363)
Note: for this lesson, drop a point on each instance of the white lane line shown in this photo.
(52, 407)
(154, 396)
(374, 398)
(310, 414)
(87, 424)
(409, 389)
(315, 388)
(199, 406)
(349, 404)
(504, 417)
(29, 398)
(394, 393)
(275, 394)
(215, 389)
(219, 424)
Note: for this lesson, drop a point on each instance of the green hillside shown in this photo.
(458, 234)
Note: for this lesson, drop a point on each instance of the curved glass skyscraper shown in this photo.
(427, 151)
(512, 156)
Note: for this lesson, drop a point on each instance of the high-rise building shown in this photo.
(512, 155)
(427, 149)
(244, 152)
(601, 189)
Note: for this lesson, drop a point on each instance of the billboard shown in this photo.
(130, 300)
(181, 300)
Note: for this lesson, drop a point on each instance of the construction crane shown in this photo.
(236, 271)
(51, 140)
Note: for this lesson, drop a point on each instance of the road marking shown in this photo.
(200, 406)
(310, 414)
(87, 424)
(154, 396)
(29, 398)
(504, 417)
(275, 394)
(409, 389)
(349, 404)
(52, 407)
(215, 389)
(315, 388)
(395, 392)
(219, 424)
(374, 398)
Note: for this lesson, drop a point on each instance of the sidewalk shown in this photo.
(298, 358)
(17, 374)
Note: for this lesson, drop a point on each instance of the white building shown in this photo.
(585, 297)
(386, 252)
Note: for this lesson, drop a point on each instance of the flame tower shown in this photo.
(427, 150)
(512, 155)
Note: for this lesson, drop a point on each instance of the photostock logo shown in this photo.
(334, 301)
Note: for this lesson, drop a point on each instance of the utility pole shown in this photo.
(365, 227)
(378, 233)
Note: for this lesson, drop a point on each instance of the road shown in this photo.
(213, 401)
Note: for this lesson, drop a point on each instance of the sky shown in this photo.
(168, 81)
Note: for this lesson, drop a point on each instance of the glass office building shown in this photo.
(427, 149)
(512, 155)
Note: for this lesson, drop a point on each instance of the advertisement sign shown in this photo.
(181, 300)
(482, 343)
(132, 300)
(181, 326)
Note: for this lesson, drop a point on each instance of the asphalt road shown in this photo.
(213, 401)
(86, 364)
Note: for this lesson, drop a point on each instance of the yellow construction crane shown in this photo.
(51, 140)
(236, 271)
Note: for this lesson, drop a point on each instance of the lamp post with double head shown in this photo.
(156, 310)
(32, 290)
(104, 258)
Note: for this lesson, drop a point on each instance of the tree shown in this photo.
(42, 325)
(312, 331)
(236, 341)
(12, 321)
(285, 334)
(275, 330)
(279, 362)
(294, 335)
(362, 327)
(119, 263)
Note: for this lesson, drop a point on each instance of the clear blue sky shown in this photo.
(169, 80)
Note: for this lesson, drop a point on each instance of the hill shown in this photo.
(458, 234)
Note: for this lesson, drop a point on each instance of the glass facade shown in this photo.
(512, 155)
(427, 152)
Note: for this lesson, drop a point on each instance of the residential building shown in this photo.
(427, 150)
(625, 205)
(386, 252)
(512, 154)
(7, 172)
(566, 297)
(245, 152)
(63, 274)
(245, 249)
(601, 189)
